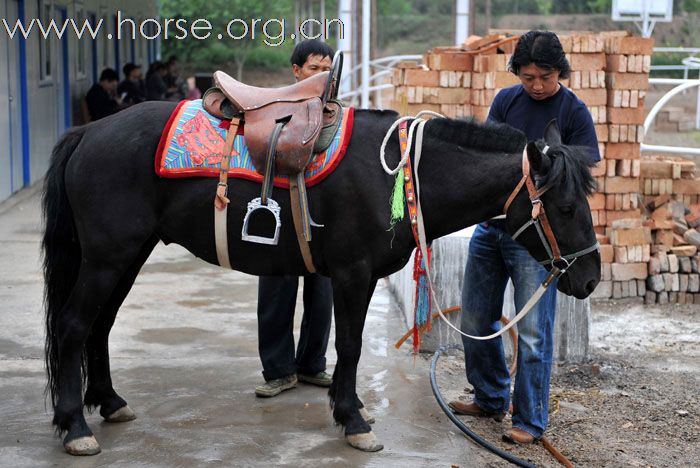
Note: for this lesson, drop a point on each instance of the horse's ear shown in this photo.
(538, 161)
(552, 135)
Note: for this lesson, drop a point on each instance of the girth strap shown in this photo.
(221, 200)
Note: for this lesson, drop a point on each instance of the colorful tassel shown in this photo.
(423, 301)
(397, 200)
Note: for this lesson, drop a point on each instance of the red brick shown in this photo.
(686, 186)
(618, 115)
(628, 271)
(421, 77)
(630, 45)
(606, 253)
(612, 216)
(587, 61)
(452, 96)
(626, 237)
(596, 201)
(622, 151)
(627, 80)
(598, 169)
(593, 97)
(602, 132)
(460, 61)
(621, 185)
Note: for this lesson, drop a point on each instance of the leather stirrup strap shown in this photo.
(221, 200)
(298, 216)
(269, 176)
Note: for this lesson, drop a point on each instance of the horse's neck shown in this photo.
(460, 190)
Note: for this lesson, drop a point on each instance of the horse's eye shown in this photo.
(566, 210)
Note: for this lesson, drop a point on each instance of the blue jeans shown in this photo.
(493, 258)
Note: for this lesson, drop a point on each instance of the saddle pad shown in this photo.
(192, 143)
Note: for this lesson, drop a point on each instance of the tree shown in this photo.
(237, 42)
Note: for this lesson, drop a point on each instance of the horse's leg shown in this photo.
(351, 295)
(333, 388)
(100, 391)
(96, 281)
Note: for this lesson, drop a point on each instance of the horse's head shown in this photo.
(550, 216)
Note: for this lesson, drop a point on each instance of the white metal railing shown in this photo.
(690, 51)
(383, 67)
(679, 87)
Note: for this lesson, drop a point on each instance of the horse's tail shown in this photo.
(61, 250)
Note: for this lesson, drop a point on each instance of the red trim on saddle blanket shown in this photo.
(164, 140)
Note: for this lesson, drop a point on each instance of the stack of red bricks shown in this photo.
(627, 79)
(455, 81)
(624, 256)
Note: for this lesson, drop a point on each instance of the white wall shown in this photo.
(44, 94)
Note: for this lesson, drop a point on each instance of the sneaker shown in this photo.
(275, 387)
(322, 379)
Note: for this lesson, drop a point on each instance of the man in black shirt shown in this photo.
(277, 295)
(132, 88)
(101, 99)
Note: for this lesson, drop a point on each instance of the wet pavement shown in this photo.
(184, 355)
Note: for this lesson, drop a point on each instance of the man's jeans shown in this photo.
(494, 257)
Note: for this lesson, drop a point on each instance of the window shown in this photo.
(45, 71)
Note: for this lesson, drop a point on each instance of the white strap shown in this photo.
(221, 237)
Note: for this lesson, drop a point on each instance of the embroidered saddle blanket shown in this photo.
(192, 143)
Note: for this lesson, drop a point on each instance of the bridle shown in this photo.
(538, 218)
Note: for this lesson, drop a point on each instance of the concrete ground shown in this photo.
(184, 355)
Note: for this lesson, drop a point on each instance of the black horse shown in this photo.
(105, 210)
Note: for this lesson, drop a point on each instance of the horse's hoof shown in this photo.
(366, 416)
(366, 442)
(123, 414)
(83, 446)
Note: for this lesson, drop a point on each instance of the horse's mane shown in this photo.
(570, 165)
(469, 133)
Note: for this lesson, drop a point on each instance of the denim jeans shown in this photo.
(493, 258)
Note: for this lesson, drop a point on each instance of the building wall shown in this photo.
(55, 72)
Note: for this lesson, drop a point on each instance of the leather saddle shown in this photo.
(298, 106)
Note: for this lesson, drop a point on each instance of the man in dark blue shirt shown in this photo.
(539, 61)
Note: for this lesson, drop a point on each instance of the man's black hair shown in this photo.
(128, 68)
(310, 47)
(541, 48)
(109, 74)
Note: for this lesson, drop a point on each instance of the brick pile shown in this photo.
(455, 81)
(615, 209)
(671, 192)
